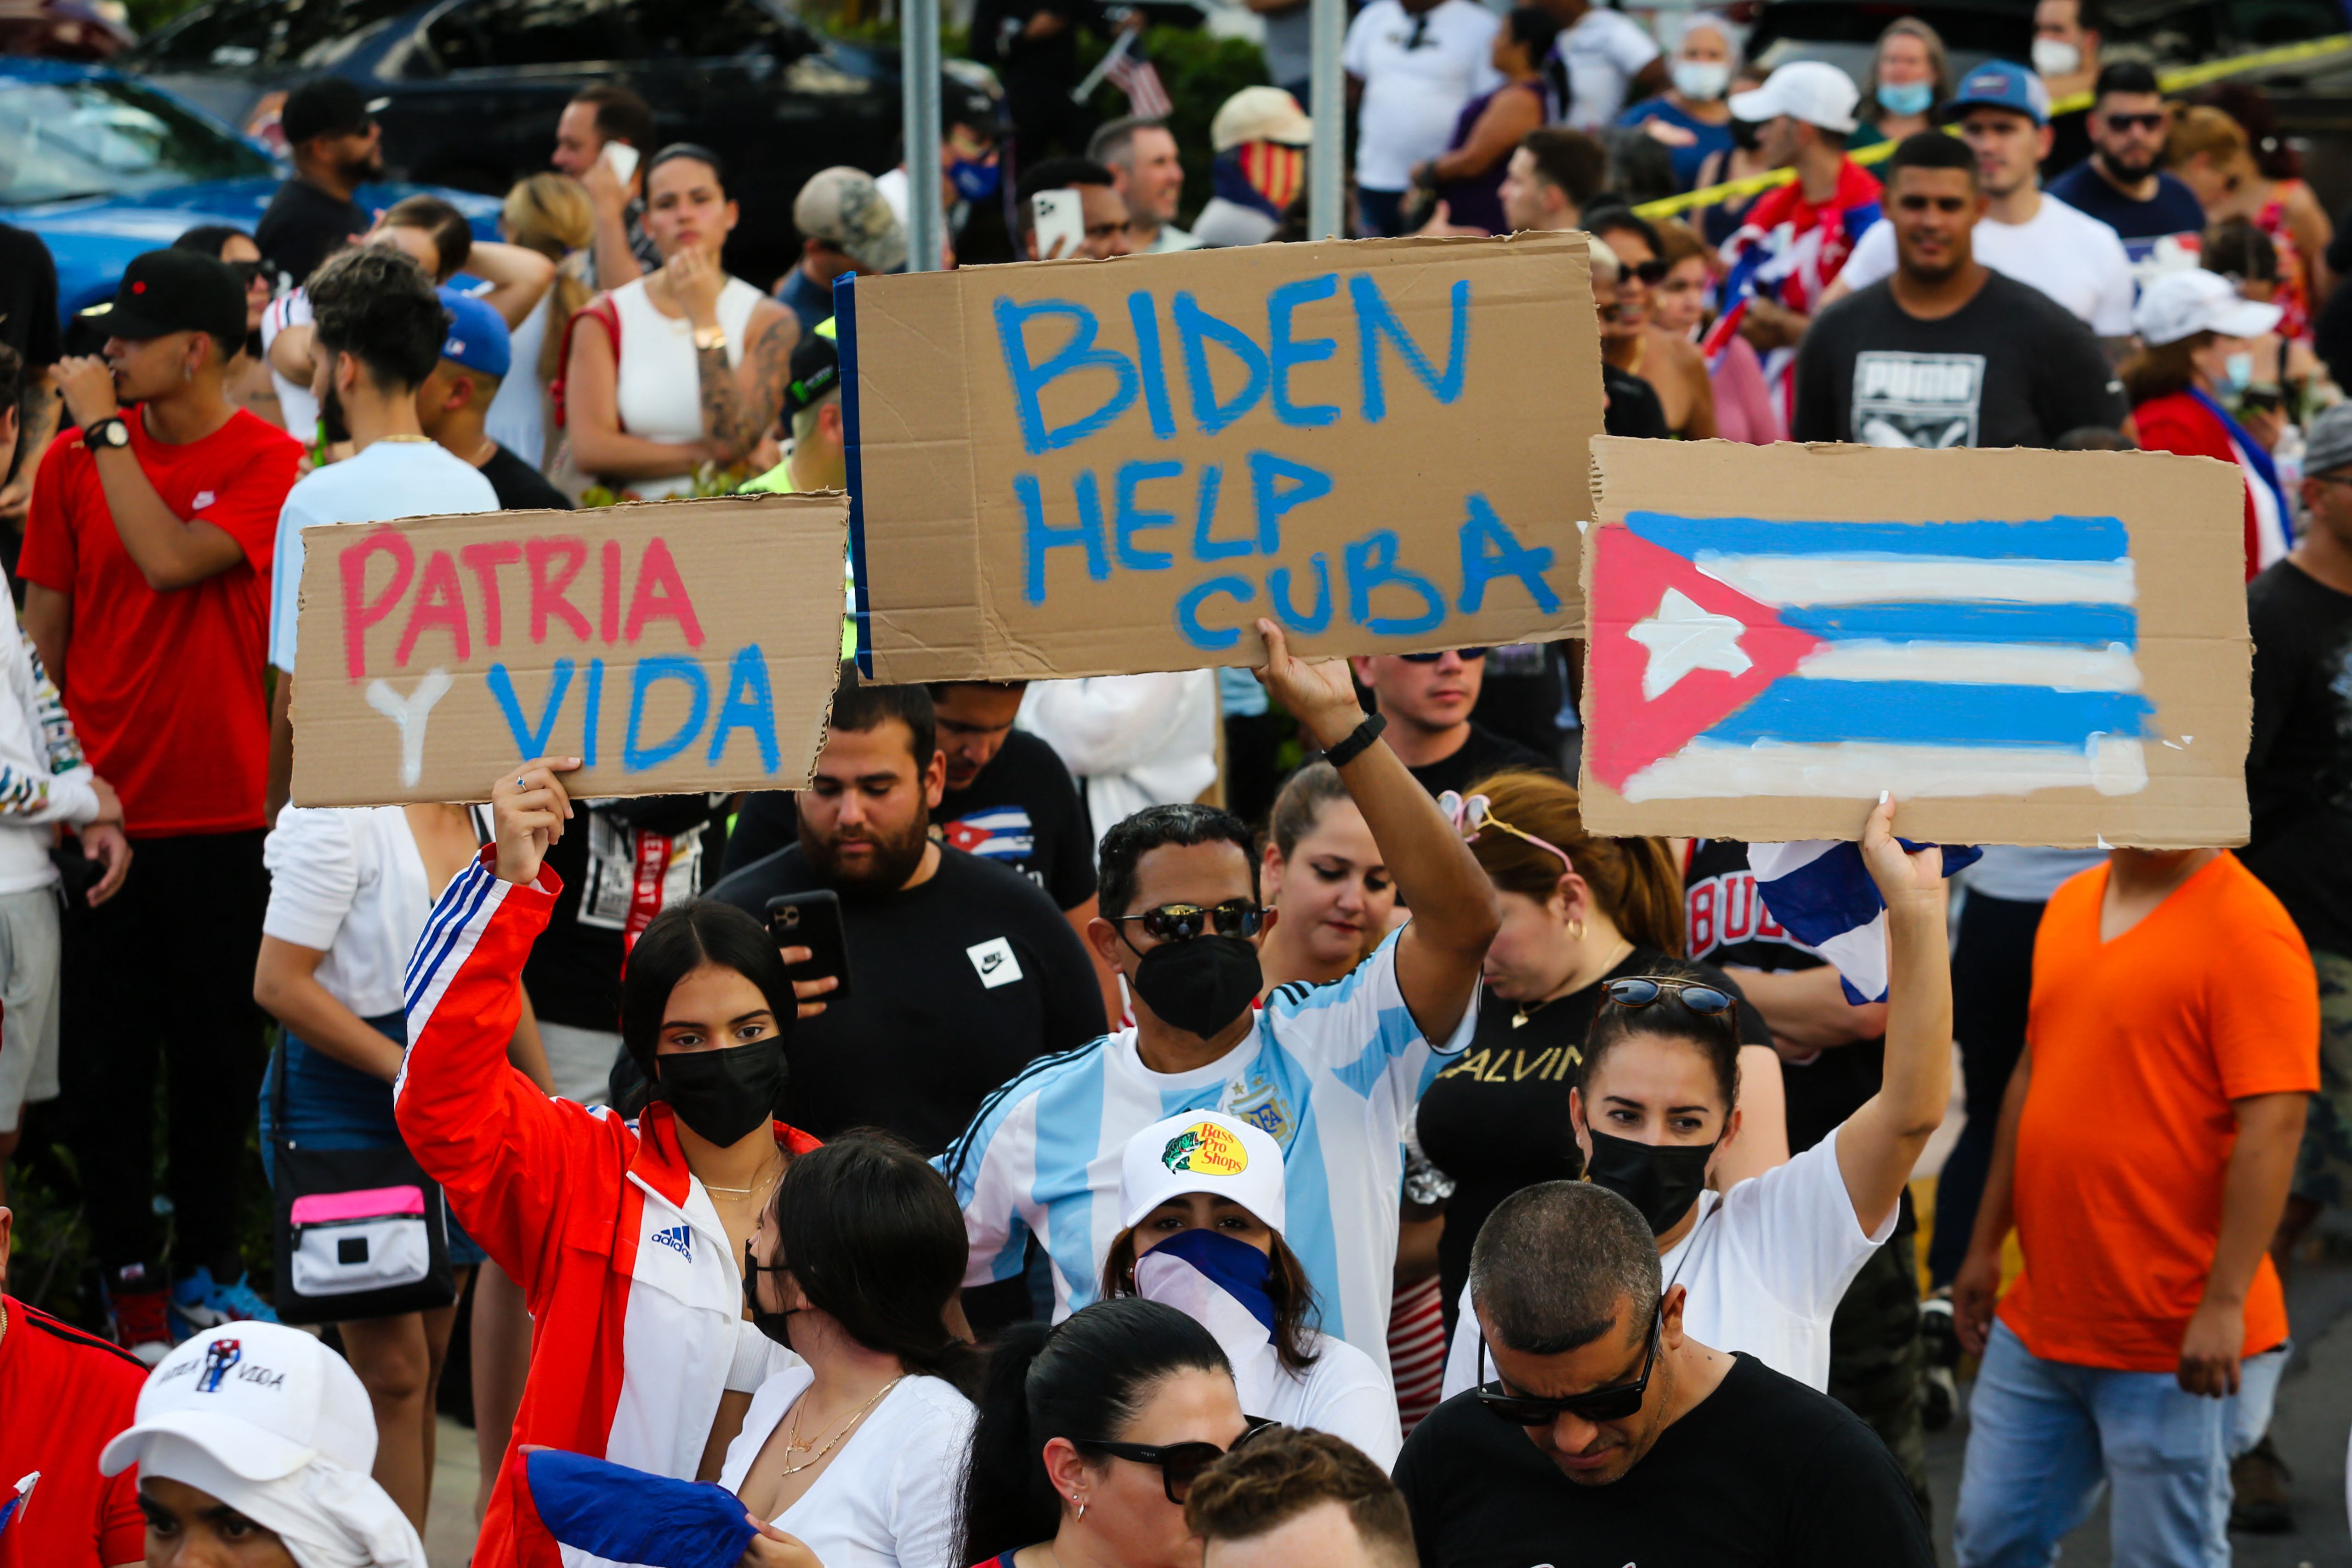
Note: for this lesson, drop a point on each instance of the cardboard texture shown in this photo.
(674, 646)
(2025, 647)
(1088, 467)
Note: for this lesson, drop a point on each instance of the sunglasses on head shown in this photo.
(1642, 990)
(1180, 1464)
(1183, 922)
(1612, 1403)
(1466, 655)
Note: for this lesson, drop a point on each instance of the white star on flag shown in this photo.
(1682, 637)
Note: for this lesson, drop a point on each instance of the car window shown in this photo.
(108, 138)
(502, 35)
(238, 33)
(717, 29)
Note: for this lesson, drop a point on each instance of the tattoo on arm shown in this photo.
(736, 419)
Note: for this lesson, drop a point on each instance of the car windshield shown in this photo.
(96, 137)
(243, 33)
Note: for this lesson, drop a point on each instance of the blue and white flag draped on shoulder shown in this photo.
(623, 1515)
(1820, 892)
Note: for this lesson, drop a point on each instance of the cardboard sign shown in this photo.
(673, 645)
(2025, 647)
(1088, 467)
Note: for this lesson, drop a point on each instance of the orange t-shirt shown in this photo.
(2139, 1046)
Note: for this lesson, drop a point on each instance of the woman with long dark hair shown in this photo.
(626, 1238)
(1091, 1432)
(856, 1450)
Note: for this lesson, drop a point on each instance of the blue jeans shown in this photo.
(2045, 1436)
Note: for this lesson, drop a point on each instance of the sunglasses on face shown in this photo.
(1650, 271)
(1466, 655)
(1642, 990)
(1612, 1403)
(1180, 1464)
(246, 271)
(1183, 922)
(2135, 121)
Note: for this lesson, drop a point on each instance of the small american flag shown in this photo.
(1147, 95)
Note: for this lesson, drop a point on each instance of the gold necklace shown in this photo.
(1529, 1009)
(746, 1192)
(794, 1445)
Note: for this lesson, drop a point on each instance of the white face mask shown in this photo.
(2053, 57)
(1701, 81)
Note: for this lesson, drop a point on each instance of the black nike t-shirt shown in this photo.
(1483, 753)
(1762, 1473)
(956, 984)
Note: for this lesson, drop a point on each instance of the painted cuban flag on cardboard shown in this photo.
(2032, 647)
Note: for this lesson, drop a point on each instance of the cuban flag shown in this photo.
(14, 1508)
(1820, 892)
(999, 833)
(623, 1515)
(1733, 656)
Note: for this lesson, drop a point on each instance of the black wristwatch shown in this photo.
(1359, 742)
(111, 431)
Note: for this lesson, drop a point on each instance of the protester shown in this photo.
(2210, 154)
(550, 215)
(1579, 911)
(1202, 1205)
(1140, 153)
(2003, 114)
(599, 116)
(1643, 1443)
(1550, 177)
(247, 378)
(2066, 56)
(1291, 1497)
(855, 1268)
(457, 400)
(971, 171)
(1466, 179)
(1908, 77)
(1326, 880)
(848, 229)
(144, 563)
(253, 1444)
(1744, 409)
(1411, 68)
(962, 970)
(336, 147)
(2283, 371)
(378, 329)
(810, 410)
(2145, 1154)
(1636, 344)
(1629, 406)
(1718, 219)
(1794, 239)
(80, 1392)
(29, 327)
(2197, 335)
(1101, 208)
(624, 1235)
(679, 372)
(1878, 367)
(1090, 1436)
(1259, 137)
(1691, 116)
(2121, 183)
(1602, 60)
(1425, 700)
(1033, 47)
(2285, 207)
(1330, 1073)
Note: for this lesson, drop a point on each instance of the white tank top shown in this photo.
(659, 392)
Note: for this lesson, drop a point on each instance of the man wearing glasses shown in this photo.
(1633, 1442)
(2120, 184)
(1426, 698)
(1329, 1072)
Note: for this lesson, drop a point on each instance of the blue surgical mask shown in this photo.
(2238, 371)
(1906, 98)
(974, 182)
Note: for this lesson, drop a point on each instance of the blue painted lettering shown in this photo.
(1371, 565)
(1277, 485)
(1031, 379)
(1374, 319)
(1127, 519)
(1204, 513)
(1149, 361)
(1489, 549)
(749, 705)
(1283, 352)
(1188, 612)
(1038, 539)
(529, 742)
(636, 758)
(1278, 588)
(1195, 329)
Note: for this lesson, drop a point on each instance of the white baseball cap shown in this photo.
(262, 1399)
(2176, 305)
(1202, 1152)
(1260, 114)
(1812, 90)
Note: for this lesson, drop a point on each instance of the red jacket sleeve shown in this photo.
(508, 1158)
(2178, 424)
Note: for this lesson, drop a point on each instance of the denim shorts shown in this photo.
(333, 1106)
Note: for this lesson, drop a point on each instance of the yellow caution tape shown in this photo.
(2181, 80)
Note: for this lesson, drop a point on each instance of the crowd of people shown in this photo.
(1241, 1098)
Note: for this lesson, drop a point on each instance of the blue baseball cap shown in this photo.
(1997, 84)
(477, 334)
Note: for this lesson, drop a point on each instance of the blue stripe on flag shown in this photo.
(2083, 625)
(628, 1516)
(1930, 713)
(2043, 539)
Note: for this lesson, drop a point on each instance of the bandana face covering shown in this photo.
(1221, 1283)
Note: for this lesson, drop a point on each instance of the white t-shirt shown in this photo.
(1342, 1393)
(1413, 96)
(517, 417)
(888, 1497)
(1766, 1266)
(348, 882)
(1605, 52)
(299, 409)
(2068, 255)
(389, 479)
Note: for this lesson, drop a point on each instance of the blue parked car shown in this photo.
(102, 167)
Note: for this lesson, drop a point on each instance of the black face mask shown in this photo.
(1200, 985)
(725, 1094)
(1662, 1180)
(1745, 134)
(777, 1326)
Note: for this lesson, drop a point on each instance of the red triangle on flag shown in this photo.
(1667, 663)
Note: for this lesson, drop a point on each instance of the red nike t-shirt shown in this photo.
(85, 1390)
(166, 689)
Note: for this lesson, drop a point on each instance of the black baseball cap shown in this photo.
(816, 370)
(177, 291)
(325, 106)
